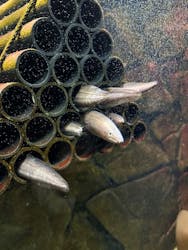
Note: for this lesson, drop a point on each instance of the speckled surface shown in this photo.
(127, 199)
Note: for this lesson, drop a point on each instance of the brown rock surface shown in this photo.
(184, 94)
(85, 179)
(166, 124)
(136, 160)
(156, 100)
(171, 145)
(139, 213)
(33, 219)
(183, 149)
(84, 234)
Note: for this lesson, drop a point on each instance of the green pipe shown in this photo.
(7, 23)
(11, 5)
(10, 105)
(5, 176)
(52, 99)
(21, 66)
(40, 33)
(59, 153)
(39, 130)
(10, 138)
(62, 11)
(20, 156)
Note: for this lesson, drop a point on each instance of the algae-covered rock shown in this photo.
(139, 213)
(85, 234)
(85, 179)
(33, 219)
(136, 160)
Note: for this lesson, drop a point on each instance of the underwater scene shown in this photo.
(93, 125)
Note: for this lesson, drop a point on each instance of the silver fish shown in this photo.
(116, 99)
(90, 95)
(73, 129)
(133, 87)
(101, 126)
(40, 172)
(116, 118)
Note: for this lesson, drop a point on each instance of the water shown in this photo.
(127, 199)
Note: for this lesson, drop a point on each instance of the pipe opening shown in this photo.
(139, 132)
(53, 100)
(47, 36)
(39, 131)
(3, 174)
(65, 69)
(103, 146)
(118, 109)
(22, 156)
(102, 44)
(78, 40)
(67, 118)
(131, 113)
(60, 154)
(17, 102)
(33, 68)
(72, 94)
(10, 139)
(127, 135)
(92, 69)
(63, 11)
(91, 14)
(5, 177)
(84, 147)
(114, 70)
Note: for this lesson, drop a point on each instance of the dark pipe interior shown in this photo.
(59, 152)
(23, 156)
(91, 13)
(17, 102)
(73, 92)
(139, 131)
(53, 99)
(66, 69)
(101, 145)
(118, 109)
(3, 173)
(93, 70)
(47, 36)
(40, 131)
(9, 139)
(126, 132)
(131, 113)
(114, 70)
(67, 118)
(76, 90)
(85, 146)
(64, 10)
(102, 44)
(33, 68)
(78, 40)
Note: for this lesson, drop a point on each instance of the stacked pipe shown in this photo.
(60, 91)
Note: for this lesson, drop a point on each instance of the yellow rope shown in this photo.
(16, 32)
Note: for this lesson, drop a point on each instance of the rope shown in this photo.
(16, 31)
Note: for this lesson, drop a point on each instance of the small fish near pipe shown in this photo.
(101, 126)
(133, 87)
(38, 171)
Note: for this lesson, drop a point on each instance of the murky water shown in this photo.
(126, 199)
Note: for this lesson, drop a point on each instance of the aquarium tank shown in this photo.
(93, 125)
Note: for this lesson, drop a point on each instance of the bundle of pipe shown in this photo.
(61, 92)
